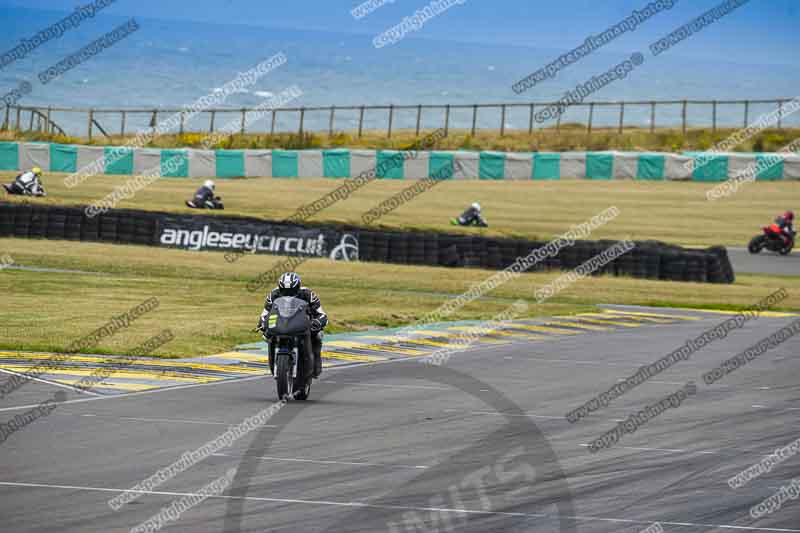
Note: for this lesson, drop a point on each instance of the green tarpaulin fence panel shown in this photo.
(650, 167)
(284, 164)
(230, 163)
(546, 166)
(9, 156)
(770, 167)
(174, 164)
(440, 165)
(599, 166)
(710, 168)
(491, 166)
(390, 165)
(63, 158)
(119, 160)
(336, 163)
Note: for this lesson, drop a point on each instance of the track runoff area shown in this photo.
(528, 431)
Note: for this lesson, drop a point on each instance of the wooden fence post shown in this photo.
(213, 117)
(19, 117)
(91, 121)
(122, 124)
(30, 126)
(419, 118)
(272, 126)
(360, 121)
(48, 119)
(183, 121)
(391, 120)
(652, 117)
(621, 116)
(683, 114)
(474, 118)
(591, 117)
(7, 118)
(447, 120)
(330, 121)
(244, 119)
(502, 120)
(780, 114)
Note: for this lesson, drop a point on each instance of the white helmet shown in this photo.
(209, 184)
(476, 206)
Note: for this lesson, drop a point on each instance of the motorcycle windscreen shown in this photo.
(288, 316)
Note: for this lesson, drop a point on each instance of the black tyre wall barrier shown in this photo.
(649, 259)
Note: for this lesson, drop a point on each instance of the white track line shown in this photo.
(397, 507)
(321, 462)
(137, 419)
(668, 450)
(53, 383)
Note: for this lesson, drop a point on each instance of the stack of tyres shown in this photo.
(366, 245)
(22, 220)
(720, 269)
(673, 266)
(72, 227)
(90, 228)
(57, 224)
(601, 247)
(651, 262)
(108, 227)
(7, 220)
(431, 241)
(696, 269)
(568, 256)
(144, 231)
(494, 255)
(508, 252)
(398, 248)
(381, 247)
(416, 249)
(38, 222)
(473, 256)
(125, 229)
(449, 253)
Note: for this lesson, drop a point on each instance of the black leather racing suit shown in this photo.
(471, 217)
(317, 314)
(204, 199)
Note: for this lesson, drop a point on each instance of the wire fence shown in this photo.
(388, 119)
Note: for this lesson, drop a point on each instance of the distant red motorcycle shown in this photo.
(772, 240)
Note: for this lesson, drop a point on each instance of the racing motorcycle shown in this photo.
(291, 360)
(772, 240)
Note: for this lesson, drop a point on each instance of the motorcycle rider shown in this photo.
(471, 217)
(785, 223)
(289, 285)
(27, 184)
(204, 197)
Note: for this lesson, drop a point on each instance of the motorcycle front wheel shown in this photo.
(283, 376)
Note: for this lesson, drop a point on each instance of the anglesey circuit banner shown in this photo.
(211, 233)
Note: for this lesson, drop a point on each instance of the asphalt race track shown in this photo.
(764, 263)
(480, 445)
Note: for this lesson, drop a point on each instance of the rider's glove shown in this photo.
(316, 325)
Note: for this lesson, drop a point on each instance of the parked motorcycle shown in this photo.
(291, 360)
(772, 240)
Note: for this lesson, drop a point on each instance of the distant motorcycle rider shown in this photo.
(289, 285)
(471, 217)
(27, 184)
(204, 198)
(786, 223)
